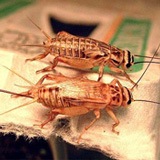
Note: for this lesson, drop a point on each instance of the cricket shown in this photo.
(85, 53)
(77, 96)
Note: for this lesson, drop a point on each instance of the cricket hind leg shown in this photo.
(53, 77)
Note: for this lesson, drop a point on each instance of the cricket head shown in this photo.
(127, 97)
(48, 43)
(128, 60)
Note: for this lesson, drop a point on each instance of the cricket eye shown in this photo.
(129, 102)
(128, 65)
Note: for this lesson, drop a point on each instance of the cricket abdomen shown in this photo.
(49, 97)
(74, 47)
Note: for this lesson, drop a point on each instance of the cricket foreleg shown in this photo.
(113, 116)
(122, 72)
(40, 56)
(50, 67)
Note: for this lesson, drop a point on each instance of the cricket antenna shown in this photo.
(34, 45)
(25, 104)
(146, 101)
(146, 67)
(135, 55)
(46, 35)
(26, 80)
(146, 62)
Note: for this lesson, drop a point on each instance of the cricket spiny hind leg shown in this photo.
(113, 116)
(46, 77)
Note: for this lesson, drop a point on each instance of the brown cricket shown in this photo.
(77, 96)
(85, 53)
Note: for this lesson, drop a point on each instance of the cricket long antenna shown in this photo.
(46, 35)
(135, 55)
(25, 104)
(146, 67)
(29, 82)
(142, 100)
(146, 62)
(13, 93)
(34, 45)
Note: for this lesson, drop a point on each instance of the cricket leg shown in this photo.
(101, 71)
(97, 114)
(50, 67)
(75, 111)
(120, 71)
(49, 77)
(115, 119)
(71, 111)
(40, 56)
(116, 81)
(50, 118)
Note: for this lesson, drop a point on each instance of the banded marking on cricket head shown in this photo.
(127, 97)
(128, 60)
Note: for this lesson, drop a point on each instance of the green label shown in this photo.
(7, 6)
(132, 35)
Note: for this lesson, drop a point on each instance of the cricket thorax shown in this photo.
(116, 54)
(116, 58)
(116, 96)
(49, 97)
